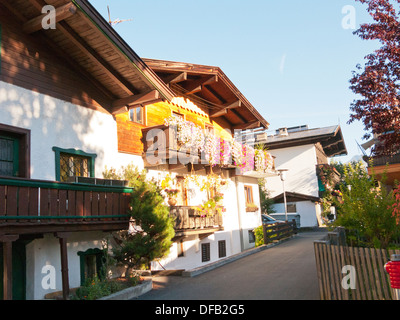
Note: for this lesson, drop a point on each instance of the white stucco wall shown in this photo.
(46, 251)
(236, 222)
(54, 122)
(307, 210)
(301, 178)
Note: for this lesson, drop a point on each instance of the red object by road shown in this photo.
(393, 268)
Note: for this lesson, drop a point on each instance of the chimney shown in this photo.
(282, 132)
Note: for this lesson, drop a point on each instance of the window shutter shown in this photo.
(205, 252)
(221, 248)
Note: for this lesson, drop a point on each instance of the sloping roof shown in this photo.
(210, 89)
(331, 139)
(91, 45)
(295, 197)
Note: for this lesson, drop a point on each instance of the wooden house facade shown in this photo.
(59, 88)
(208, 100)
(75, 99)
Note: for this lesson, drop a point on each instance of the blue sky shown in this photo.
(291, 59)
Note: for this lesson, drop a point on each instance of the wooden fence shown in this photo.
(277, 231)
(351, 273)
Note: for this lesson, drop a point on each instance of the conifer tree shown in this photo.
(153, 228)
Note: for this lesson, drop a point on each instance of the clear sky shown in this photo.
(291, 59)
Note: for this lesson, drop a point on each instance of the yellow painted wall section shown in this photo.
(130, 133)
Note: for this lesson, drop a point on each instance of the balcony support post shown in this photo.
(62, 236)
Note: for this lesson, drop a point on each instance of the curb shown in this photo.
(131, 293)
(197, 271)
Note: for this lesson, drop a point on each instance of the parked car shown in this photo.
(267, 219)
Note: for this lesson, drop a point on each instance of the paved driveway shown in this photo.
(285, 272)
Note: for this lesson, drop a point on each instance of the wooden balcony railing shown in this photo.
(384, 160)
(28, 205)
(186, 219)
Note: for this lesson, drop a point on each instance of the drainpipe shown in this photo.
(239, 214)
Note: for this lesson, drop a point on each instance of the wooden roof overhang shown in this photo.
(87, 42)
(210, 89)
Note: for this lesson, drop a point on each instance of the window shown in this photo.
(252, 237)
(137, 115)
(205, 252)
(221, 248)
(9, 163)
(14, 151)
(248, 192)
(73, 165)
(92, 263)
(71, 162)
(291, 208)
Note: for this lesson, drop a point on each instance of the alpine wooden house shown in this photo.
(76, 99)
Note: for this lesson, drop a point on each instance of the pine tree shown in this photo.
(153, 226)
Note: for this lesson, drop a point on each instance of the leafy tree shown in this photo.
(365, 209)
(153, 226)
(378, 82)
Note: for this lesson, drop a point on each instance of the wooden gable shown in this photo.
(130, 133)
(83, 60)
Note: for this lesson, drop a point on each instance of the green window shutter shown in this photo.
(9, 156)
(92, 263)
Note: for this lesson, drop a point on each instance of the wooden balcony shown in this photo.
(385, 166)
(385, 160)
(160, 147)
(187, 222)
(35, 206)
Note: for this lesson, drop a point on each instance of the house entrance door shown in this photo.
(18, 270)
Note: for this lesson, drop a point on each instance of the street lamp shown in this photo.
(282, 174)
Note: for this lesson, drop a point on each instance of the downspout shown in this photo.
(239, 215)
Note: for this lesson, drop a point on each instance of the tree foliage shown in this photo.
(378, 82)
(365, 209)
(153, 226)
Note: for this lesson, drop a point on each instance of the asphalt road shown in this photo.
(284, 272)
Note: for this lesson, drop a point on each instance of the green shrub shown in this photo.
(259, 234)
(365, 209)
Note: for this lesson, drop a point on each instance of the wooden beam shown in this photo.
(219, 113)
(214, 95)
(248, 125)
(62, 12)
(64, 263)
(234, 105)
(122, 105)
(175, 78)
(197, 85)
(224, 111)
(237, 114)
(95, 57)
